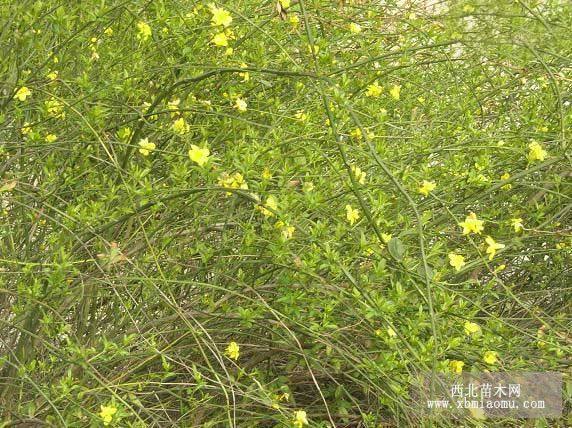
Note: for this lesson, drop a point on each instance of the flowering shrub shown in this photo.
(277, 213)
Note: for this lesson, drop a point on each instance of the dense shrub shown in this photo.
(260, 214)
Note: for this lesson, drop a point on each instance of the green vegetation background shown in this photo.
(278, 214)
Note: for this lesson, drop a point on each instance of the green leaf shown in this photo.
(421, 271)
(396, 248)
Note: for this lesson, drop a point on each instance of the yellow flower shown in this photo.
(55, 108)
(145, 147)
(300, 418)
(271, 203)
(199, 155)
(50, 138)
(26, 129)
(355, 28)
(471, 328)
(144, 31)
(53, 75)
(352, 214)
(245, 74)
(356, 134)
(374, 90)
(106, 414)
(220, 16)
(22, 93)
(240, 104)
(301, 116)
(536, 152)
(266, 174)
(493, 247)
(285, 3)
(314, 49)
(386, 237)
(225, 180)
(239, 182)
(358, 174)
(500, 268)
(220, 39)
(180, 126)
(294, 20)
(234, 181)
(457, 261)
(232, 351)
(516, 223)
(427, 187)
(308, 186)
(490, 357)
(481, 179)
(472, 224)
(391, 332)
(286, 230)
(108, 31)
(456, 366)
(503, 177)
(395, 92)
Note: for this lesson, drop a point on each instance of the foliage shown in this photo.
(260, 214)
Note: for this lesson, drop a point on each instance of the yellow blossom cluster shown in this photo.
(146, 147)
(180, 126)
(143, 31)
(286, 230)
(221, 20)
(269, 207)
(352, 214)
(374, 90)
(106, 414)
(232, 351)
(358, 174)
(55, 108)
(473, 225)
(300, 418)
(232, 181)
